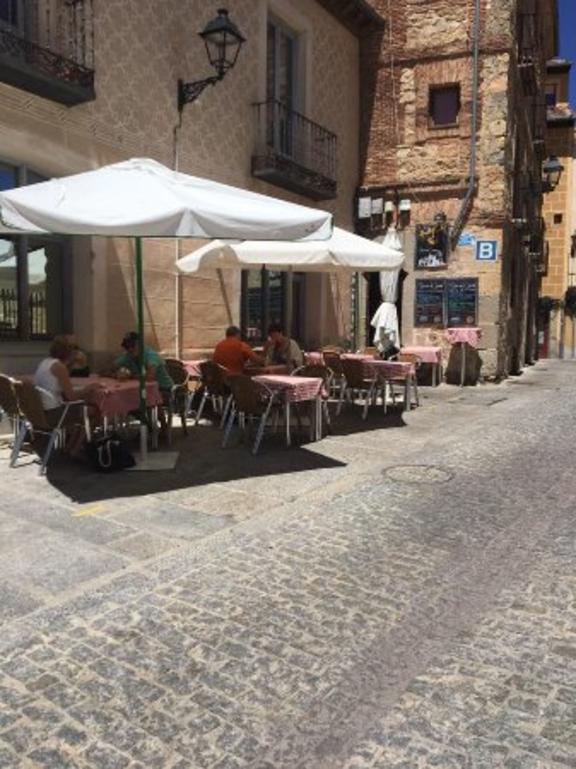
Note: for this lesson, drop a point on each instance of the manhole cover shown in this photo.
(418, 474)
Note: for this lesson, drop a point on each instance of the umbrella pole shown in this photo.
(141, 365)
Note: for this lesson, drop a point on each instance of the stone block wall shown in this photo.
(142, 48)
(430, 44)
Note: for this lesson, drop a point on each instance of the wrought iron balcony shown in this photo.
(540, 247)
(47, 48)
(294, 153)
(529, 49)
(539, 127)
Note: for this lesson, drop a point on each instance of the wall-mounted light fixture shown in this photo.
(404, 208)
(223, 42)
(552, 170)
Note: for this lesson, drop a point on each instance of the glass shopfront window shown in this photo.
(265, 298)
(35, 276)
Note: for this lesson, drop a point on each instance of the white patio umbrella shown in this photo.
(141, 198)
(342, 251)
(385, 320)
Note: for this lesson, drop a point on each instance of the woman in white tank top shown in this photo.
(53, 380)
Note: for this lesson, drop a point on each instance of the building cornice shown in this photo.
(356, 15)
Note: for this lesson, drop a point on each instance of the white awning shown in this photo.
(142, 198)
(343, 251)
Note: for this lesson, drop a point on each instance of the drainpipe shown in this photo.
(467, 202)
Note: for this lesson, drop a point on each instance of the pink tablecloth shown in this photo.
(118, 398)
(387, 368)
(378, 367)
(314, 358)
(193, 367)
(470, 335)
(293, 388)
(426, 354)
(357, 356)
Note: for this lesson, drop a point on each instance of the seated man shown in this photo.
(280, 350)
(154, 364)
(233, 354)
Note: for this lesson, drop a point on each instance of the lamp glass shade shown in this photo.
(223, 41)
(553, 169)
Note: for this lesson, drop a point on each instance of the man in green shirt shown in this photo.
(153, 362)
(155, 368)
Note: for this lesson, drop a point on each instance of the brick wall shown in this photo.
(427, 44)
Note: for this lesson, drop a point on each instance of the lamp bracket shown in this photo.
(189, 92)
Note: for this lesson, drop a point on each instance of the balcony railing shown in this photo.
(47, 48)
(529, 49)
(295, 153)
(539, 247)
(539, 112)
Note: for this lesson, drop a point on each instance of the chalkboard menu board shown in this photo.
(462, 302)
(429, 305)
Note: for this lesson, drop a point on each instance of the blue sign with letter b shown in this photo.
(486, 250)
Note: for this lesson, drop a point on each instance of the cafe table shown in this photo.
(430, 355)
(117, 398)
(314, 358)
(193, 367)
(297, 389)
(389, 371)
(465, 335)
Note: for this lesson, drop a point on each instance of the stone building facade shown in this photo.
(556, 327)
(98, 85)
(454, 130)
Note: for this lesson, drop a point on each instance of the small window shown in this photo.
(444, 106)
(558, 218)
(551, 95)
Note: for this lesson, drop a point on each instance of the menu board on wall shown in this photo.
(429, 304)
(462, 302)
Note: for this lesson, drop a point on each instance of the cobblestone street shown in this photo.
(401, 595)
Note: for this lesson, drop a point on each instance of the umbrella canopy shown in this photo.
(343, 251)
(385, 320)
(385, 325)
(142, 198)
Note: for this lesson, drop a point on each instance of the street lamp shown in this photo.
(223, 41)
(552, 170)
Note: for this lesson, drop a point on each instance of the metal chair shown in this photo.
(215, 383)
(251, 400)
(9, 403)
(180, 394)
(356, 383)
(34, 420)
(407, 381)
(333, 361)
(318, 371)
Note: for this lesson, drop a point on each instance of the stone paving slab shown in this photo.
(360, 619)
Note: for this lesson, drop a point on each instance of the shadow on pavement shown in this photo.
(350, 421)
(202, 461)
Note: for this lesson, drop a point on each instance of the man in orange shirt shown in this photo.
(232, 353)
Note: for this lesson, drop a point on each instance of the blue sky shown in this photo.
(568, 39)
